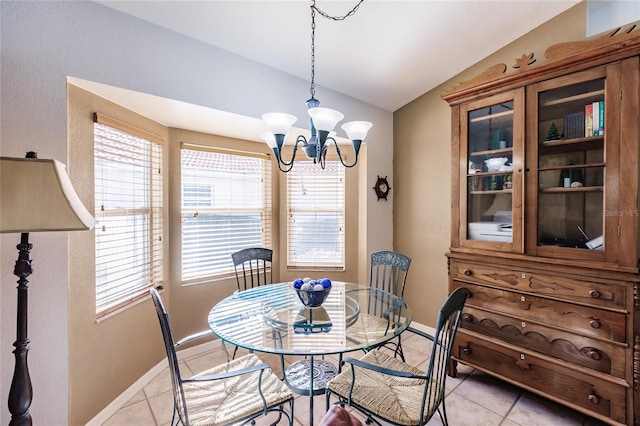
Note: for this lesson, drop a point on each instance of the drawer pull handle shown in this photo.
(594, 323)
(466, 350)
(594, 399)
(594, 354)
(524, 324)
(468, 272)
(467, 317)
(595, 294)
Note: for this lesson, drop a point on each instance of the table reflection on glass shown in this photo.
(272, 319)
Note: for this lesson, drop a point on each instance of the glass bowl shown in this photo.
(313, 298)
(495, 164)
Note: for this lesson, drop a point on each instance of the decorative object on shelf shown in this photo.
(382, 187)
(571, 178)
(498, 139)
(495, 164)
(552, 134)
(474, 167)
(323, 120)
(574, 125)
(507, 182)
(35, 196)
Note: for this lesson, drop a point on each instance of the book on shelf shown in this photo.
(601, 120)
(588, 120)
(594, 119)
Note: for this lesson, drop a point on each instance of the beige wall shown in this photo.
(108, 356)
(422, 167)
(104, 357)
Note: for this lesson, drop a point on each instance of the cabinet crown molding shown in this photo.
(596, 50)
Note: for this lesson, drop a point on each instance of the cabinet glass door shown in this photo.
(489, 174)
(571, 166)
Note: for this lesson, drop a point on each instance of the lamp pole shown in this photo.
(21, 393)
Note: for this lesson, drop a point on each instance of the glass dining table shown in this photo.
(272, 319)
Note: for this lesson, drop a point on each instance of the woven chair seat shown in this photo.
(369, 329)
(226, 401)
(385, 387)
(396, 399)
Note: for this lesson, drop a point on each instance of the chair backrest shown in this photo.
(389, 271)
(176, 380)
(445, 334)
(253, 267)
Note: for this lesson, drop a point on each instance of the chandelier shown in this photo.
(323, 120)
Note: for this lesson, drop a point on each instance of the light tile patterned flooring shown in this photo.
(473, 398)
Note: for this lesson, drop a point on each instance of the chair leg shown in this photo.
(282, 367)
(443, 414)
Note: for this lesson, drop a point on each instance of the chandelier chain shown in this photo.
(315, 8)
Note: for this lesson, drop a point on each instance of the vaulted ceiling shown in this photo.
(387, 54)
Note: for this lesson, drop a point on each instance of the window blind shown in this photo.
(128, 207)
(315, 222)
(226, 207)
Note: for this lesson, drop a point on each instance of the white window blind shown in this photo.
(315, 223)
(226, 207)
(128, 207)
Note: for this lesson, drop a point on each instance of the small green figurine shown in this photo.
(552, 134)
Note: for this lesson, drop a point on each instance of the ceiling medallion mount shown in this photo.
(323, 120)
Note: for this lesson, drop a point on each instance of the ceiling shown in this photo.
(387, 54)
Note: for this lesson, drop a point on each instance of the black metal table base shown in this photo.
(304, 380)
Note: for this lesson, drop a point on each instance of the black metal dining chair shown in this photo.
(384, 387)
(238, 391)
(388, 272)
(253, 267)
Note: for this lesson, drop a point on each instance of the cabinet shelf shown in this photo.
(582, 97)
(491, 152)
(482, 174)
(562, 190)
(491, 191)
(491, 116)
(557, 108)
(572, 166)
(571, 145)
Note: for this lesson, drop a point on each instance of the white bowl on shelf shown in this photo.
(495, 164)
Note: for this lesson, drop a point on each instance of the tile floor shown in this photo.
(473, 398)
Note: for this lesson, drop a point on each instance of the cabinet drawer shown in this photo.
(591, 393)
(583, 320)
(595, 354)
(576, 291)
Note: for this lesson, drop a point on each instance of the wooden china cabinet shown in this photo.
(545, 226)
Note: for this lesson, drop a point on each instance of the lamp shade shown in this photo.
(357, 130)
(36, 195)
(279, 123)
(269, 139)
(325, 118)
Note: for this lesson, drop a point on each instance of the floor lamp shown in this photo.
(36, 195)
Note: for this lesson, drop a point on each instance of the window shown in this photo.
(128, 200)
(315, 222)
(226, 207)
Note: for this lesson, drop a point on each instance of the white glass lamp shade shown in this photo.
(279, 123)
(36, 195)
(357, 130)
(325, 119)
(270, 139)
